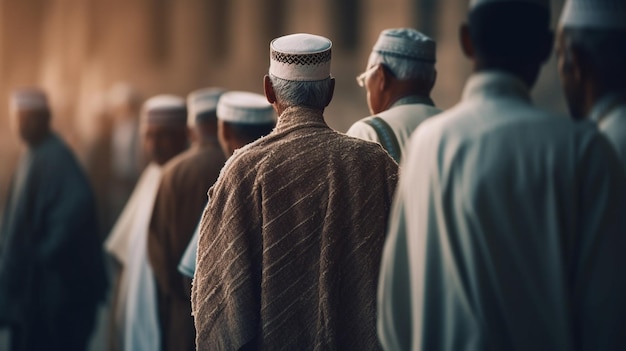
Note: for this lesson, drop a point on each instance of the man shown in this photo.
(52, 275)
(508, 224)
(592, 53)
(178, 206)
(164, 131)
(399, 76)
(291, 239)
(242, 118)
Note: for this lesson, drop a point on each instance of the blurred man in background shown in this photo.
(591, 48)
(164, 129)
(242, 118)
(399, 77)
(178, 206)
(290, 242)
(508, 222)
(52, 274)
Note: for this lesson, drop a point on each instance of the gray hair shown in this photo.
(313, 94)
(605, 47)
(404, 68)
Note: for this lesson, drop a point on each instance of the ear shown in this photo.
(466, 41)
(384, 77)
(268, 88)
(332, 91)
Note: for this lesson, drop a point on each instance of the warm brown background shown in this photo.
(77, 49)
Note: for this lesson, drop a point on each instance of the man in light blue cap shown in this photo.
(399, 77)
(591, 48)
(290, 242)
(508, 224)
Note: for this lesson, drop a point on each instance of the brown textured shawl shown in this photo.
(291, 241)
(177, 210)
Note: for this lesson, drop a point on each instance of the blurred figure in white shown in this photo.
(164, 131)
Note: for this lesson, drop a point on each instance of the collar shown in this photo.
(295, 117)
(495, 84)
(606, 105)
(413, 99)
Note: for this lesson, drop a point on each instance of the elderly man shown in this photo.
(178, 206)
(592, 54)
(291, 240)
(165, 135)
(508, 223)
(399, 76)
(52, 273)
(242, 118)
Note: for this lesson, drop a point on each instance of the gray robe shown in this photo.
(508, 231)
(51, 266)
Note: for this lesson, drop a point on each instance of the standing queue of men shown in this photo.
(491, 225)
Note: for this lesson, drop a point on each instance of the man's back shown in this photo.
(511, 224)
(294, 231)
(177, 210)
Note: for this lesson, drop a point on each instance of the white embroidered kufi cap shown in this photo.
(599, 14)
(406, 43)
(300, 57)
(475, 3)
(165, 109)
(202, 101)
(246, 108)
(28, 99)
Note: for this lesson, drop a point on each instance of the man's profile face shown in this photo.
(572, 86)
(162, 142)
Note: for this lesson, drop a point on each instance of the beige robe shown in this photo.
(291, 240)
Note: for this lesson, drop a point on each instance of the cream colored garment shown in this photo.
(136, 313)
(507, 233)
(403, 117)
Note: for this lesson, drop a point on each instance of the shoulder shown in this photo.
(363, 130)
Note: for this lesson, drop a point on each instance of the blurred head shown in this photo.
(30, 114)
(299, 73)
(164, 127)
(202, 116)
(591, 50)
(402, 63)
(508, 35)
(123, 102)
(243, 117)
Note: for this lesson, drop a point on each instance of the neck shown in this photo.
(528, 73)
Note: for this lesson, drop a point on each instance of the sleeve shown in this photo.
(226, 289)
(599, 287)
(394, 303)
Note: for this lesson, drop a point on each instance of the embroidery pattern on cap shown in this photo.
(302, 59)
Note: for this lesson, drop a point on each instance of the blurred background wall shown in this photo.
(77, 49)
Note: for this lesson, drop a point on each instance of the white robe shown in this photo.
(136, 313)
(610, 114)
(403, 117)
(507, 233)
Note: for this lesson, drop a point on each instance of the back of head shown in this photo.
(247, 115)
(202, 106)
(598, 29)
(510, 33)
(407, 53)
(300, 70)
